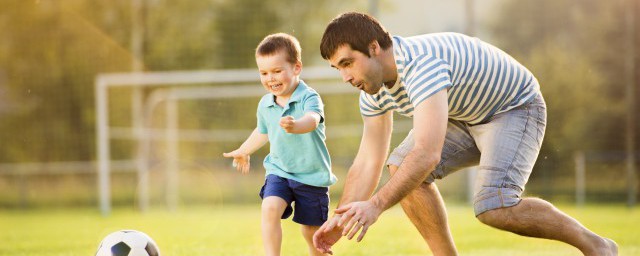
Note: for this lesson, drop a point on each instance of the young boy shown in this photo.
(298, 168)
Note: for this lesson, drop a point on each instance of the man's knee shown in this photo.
(486, 217)
(496, 217)
(392, 169)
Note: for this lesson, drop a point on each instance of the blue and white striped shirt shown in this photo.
(481, 80)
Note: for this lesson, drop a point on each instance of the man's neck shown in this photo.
(390, 70)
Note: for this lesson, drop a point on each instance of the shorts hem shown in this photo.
(500, 198)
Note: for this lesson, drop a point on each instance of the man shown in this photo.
(471, 104)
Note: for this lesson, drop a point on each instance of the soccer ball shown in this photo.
(128, 243)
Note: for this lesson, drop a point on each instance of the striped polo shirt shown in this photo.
(481, 80)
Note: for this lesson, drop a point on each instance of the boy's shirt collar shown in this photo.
(296, 96)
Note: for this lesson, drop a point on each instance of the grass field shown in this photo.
(235, 230)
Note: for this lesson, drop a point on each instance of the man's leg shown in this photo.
(509, 145)
(535, 217)
(425, 208)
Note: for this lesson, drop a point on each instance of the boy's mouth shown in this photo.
(275, 87)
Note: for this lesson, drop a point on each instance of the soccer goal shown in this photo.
(150, 91)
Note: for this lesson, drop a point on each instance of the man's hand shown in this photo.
(240, 160)
(287, 123)
(327, 235)
(358, 216)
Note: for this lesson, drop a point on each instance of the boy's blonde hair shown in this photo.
(273, 43)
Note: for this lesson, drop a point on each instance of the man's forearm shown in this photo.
(413, 171)
(362, 180)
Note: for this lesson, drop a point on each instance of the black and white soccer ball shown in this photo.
(128, 243)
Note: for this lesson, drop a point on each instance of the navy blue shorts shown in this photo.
(311, 203)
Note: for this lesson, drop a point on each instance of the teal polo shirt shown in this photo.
(301, 157)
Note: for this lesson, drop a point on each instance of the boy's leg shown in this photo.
(276, 205)
(311, 210)
(272, 209)
(510, 144)
(307, 233)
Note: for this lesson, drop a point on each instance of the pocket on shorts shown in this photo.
(324, 210)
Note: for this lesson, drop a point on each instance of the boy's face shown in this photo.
(277, 75)
(356, 68)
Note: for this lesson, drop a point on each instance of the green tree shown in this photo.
(575, 49)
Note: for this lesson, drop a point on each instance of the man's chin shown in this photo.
(372, 92)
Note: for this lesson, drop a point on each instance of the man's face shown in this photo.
(362, 72)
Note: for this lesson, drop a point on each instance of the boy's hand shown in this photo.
(240, 160)
(287, 123)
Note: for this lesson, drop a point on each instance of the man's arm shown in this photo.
(363, 176)
(429, 130)
(364, 173)
(430, 120)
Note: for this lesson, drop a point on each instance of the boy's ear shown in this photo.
(297, 68)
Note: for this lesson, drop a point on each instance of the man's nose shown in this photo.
(346, 77)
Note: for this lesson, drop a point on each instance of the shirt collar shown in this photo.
(296, 96)
(399, 54)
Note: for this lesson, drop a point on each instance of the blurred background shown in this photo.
(60, 61)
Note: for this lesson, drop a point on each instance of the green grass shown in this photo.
(235, 230)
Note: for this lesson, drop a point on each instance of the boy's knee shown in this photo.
(309, 229)
(273, 206)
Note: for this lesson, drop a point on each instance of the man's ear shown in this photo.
(374, 48)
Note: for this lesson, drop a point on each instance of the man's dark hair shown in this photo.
(273, 43)
(357, 30)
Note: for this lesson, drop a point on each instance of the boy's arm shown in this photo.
(305, 124)
(241, 155)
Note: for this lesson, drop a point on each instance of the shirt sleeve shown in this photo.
(369, 106)
(426, 76)
(313, 103)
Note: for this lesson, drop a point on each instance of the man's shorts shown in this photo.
(505, 147)
(311, 203)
